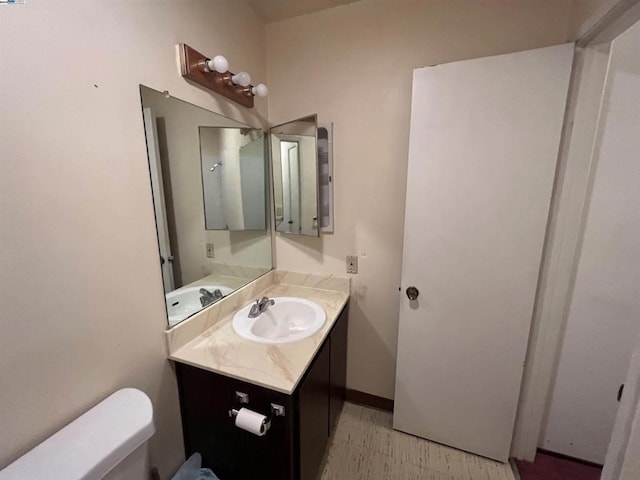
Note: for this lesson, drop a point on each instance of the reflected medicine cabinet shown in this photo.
(325, 176)
(301, 154)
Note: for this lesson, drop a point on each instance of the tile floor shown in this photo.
(365, 447)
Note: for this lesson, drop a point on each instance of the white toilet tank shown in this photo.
(107, 442)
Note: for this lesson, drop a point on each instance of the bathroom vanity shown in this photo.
(209, 180)
(219, 373)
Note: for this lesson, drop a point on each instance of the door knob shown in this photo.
(412, 293)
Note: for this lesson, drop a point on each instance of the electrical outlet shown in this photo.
(210, 250)
(352, 264)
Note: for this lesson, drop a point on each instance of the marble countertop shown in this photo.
(217, 348)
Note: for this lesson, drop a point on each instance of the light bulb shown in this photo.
(218, 64)
(242, 78)
(260, 90)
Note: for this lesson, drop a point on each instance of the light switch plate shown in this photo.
(352, 264)
(210, 250)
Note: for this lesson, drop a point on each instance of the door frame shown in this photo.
(155, 169)
(565, 228)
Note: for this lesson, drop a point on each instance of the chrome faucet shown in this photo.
(208, 297)
(260, 307)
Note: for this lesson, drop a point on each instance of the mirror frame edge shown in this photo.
(270, 197)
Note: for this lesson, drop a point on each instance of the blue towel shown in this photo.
(206, 473)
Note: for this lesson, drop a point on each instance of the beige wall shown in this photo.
(352, 65)
(82, 310)
(585, 14)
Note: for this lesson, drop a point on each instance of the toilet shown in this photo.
(107, 442)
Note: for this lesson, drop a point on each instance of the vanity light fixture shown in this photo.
(260, 90)
(214, 74)
(217, 64)
(243, 79)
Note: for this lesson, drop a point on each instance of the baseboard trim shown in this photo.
(368, 400)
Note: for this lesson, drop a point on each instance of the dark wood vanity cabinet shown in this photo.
(294, 446)
(313, 401)
(338, 367)
(205, 401)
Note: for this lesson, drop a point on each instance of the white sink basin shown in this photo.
(184, 302)
(288, 320)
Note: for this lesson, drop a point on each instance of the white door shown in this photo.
(157, 187)
(484, 141)
(603, 321)
(622, 454)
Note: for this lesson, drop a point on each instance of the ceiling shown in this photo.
(275, 10)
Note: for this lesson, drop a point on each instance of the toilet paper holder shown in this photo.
(242, 397)
(276, 411)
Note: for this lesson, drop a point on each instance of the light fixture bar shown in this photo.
(198, 68)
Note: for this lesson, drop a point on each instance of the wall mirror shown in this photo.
(210, 194)
(294, 154)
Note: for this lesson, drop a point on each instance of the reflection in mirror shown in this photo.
(233, 178)
(295, 176)
(210, 200)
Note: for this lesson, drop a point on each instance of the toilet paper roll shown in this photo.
(251, 422)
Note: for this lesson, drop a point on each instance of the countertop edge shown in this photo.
(176, 357)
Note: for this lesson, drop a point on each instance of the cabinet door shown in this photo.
(313, 397)
(232, 453)
(338, 376)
